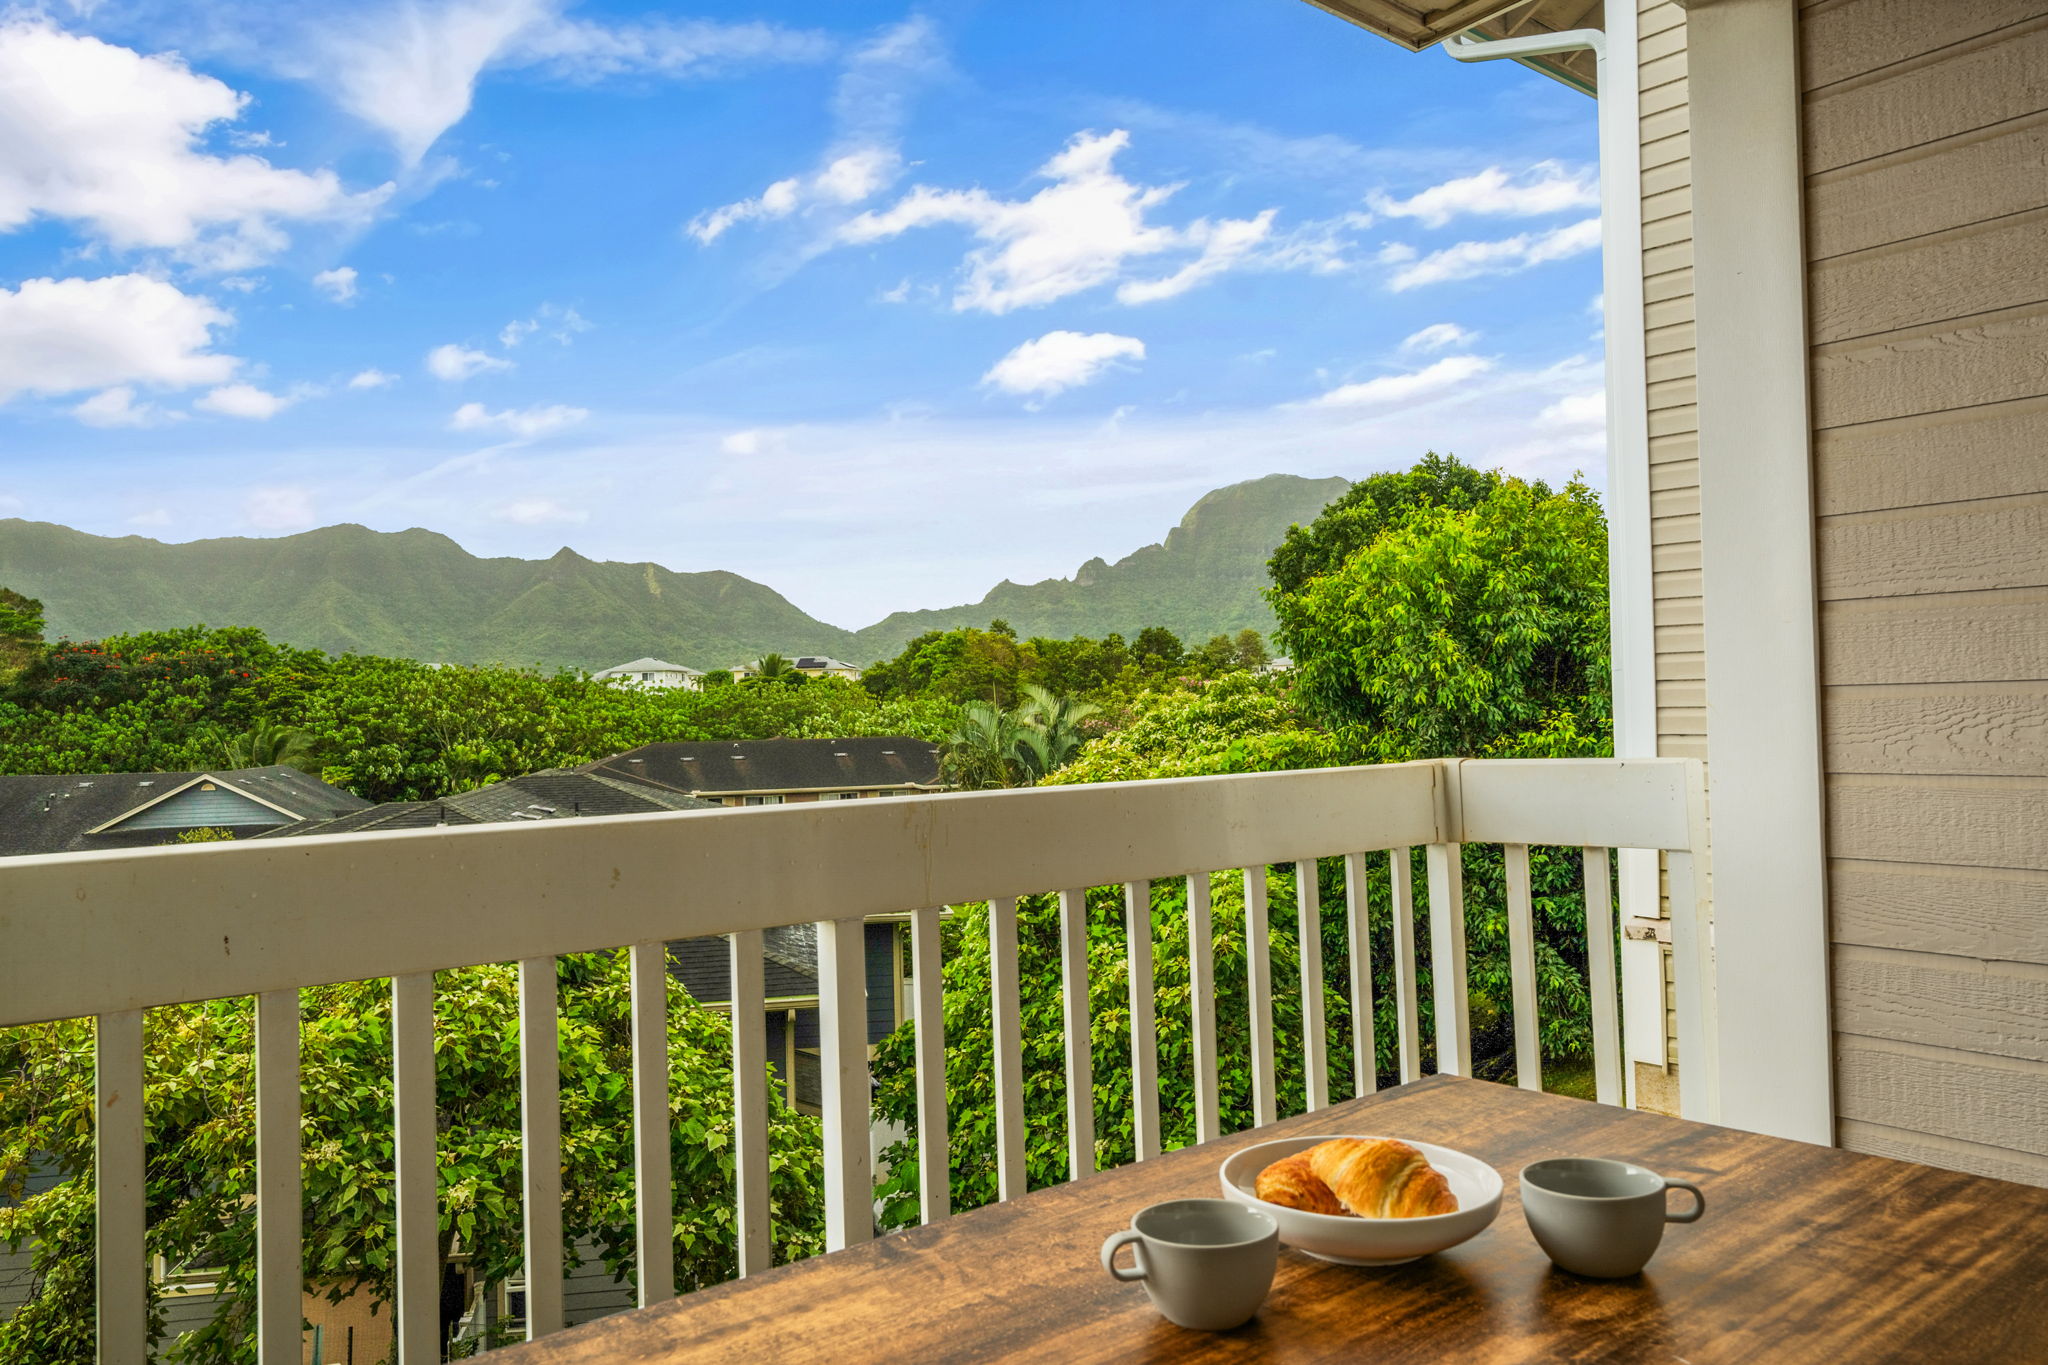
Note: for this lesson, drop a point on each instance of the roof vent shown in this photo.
(548, 810)
(636, 760)
(890, 752)
(684, 758)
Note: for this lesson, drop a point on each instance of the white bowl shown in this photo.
(1371, 1241)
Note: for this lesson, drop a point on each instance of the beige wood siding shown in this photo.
(1926, 158)
(1674, 429)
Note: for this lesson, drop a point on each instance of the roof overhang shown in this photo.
(1417, 26)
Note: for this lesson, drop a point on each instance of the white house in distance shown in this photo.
(810, 665)
(654, 673)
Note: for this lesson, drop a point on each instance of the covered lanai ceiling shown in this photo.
(1416, 26)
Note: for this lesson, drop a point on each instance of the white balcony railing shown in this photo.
(111, 934)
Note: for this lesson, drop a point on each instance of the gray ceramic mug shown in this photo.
(1205, 1263)
(1600, 1218)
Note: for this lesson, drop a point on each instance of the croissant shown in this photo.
(1381, 1178)
(1290, 1182)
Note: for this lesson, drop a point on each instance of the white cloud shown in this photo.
(752, 441)
(1546, 187)
(1468, 259)
(538, 512)
(116, 407)
(1445, 374)
(1083, 230)
(522, 422)
(279, 509)
(454, 363)
(372, 379)
(411, 67)
(561, 325)
(245, 401)
(867, 107)
(338, 284)
(61, 336)
(108, 138)
(155, 516)
(1438, 336)
(1576, 410)
(1059, 361)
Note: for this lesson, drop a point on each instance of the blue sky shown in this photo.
(876, 305)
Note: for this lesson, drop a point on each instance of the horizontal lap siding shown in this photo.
(1926, 151)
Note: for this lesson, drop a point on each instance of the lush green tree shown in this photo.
(1051, 728)
(1368, 509)
(21, 630)
(1241, 723)
(1475, 631)
(775, 671)
(717, 677)
(267, 744)
(199, 1099)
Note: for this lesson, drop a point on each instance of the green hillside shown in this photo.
(416, 594)
(412, 594)
(1204, 580)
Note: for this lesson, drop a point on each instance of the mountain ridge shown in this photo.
(417, 593)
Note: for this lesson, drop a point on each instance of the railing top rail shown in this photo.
(93, 933)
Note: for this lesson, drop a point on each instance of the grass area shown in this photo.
(1572, 1077)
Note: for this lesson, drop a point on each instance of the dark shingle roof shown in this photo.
(789, 964)
(551, 795)
(778, 765)
(43, 813)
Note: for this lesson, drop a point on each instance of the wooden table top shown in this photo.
(1806, 1254)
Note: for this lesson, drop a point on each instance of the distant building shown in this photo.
(81, 812)
(810, 665)
(654, 673)
(771, 772)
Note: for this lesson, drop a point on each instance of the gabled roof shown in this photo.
(551, 795)
(777, 765)
(648, 666)
(1417, 24)
(72, 813)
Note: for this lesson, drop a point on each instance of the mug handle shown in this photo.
(1699, 1202)
(1117, 1241)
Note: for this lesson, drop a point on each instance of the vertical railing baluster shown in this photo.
(540, 1124)
(414, 1121)
(1259, 989)
(1522, 968)
(1308, 919)
(843, 1012)
(1007, 1027)
(1407, 1015)
(928, 1009)
(749, 1103)
(1699, 1069)
(1364, 1040)
(1074, 1013)
(1607, 1077)
(280, 1275)
(1144, 1027)
(654, 1209)
(121, 1215)
(1447, 959)
(1202, 1007)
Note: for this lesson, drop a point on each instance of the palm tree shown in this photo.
(1055, 722)
(773, 668)
(267, 744)
(982, 752)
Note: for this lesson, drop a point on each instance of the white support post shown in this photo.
(1447, 959)
(1407, 1013)
(843, 1015)
(1074, 1014)
(1522, 968)
(121, 1297)
(1308, 923)
(1202, 1006)
(1364, 1039)
(280, 1262)
(750, 1103)
(1259, 989)
(1006, 1010)
(654, 1226)
(928, 1004)
(416, 1127)
(1144, 1027)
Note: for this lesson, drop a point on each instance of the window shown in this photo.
(764, 800)
(839, 796)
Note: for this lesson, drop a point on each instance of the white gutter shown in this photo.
(1630, 594)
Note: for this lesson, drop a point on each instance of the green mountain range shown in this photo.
(417, 594)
